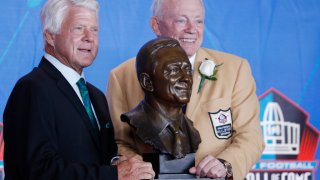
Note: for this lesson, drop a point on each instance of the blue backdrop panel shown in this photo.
(280, 39)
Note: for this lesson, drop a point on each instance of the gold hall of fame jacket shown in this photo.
(225, 112)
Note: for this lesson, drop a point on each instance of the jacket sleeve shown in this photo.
(118, 105)
(247, 142)
(31, 144)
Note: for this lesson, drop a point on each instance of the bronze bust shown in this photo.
(158, 122)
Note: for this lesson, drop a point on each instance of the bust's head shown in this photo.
(164, 71)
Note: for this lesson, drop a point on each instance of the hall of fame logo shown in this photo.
(222, 123)
(291, 142)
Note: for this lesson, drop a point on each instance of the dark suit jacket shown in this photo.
(48, 134)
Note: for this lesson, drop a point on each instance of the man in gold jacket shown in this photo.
(225, 111)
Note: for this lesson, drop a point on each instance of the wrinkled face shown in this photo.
(184, 21)
(77, 44)
(172, 76)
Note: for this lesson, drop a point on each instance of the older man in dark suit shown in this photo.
(57, 125)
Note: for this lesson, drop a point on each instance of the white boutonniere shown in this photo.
(208, 70)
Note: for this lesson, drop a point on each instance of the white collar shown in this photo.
(70, 74)
(192, 59)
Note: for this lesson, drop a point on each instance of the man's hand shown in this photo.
(134, 168)
(209, 167)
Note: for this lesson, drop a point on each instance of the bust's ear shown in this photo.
(145, 82)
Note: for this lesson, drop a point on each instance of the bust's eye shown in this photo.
(189, 70)
(175, 70)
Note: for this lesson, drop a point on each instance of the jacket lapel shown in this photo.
(70, 94)
(98, 105)
(195, 96)
(195, 100)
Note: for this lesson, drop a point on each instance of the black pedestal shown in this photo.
(166, 167)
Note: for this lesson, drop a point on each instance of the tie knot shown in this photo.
(81, 83)
(174, 128)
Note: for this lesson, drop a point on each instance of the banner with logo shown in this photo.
(280, 39)
(291, 141)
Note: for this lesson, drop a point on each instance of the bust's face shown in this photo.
(172, 76)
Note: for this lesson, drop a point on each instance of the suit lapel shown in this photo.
(195, 96)
(98, 106)
(70, 94)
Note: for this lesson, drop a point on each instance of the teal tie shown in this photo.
(86, 102)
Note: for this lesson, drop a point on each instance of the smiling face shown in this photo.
(76, 45)
(172, 76)
(182, 20)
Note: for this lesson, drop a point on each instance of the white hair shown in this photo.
(54, 11)
(157, 6)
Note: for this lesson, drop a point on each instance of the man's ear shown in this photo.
(145, 82)
(155, 25)
(49, 37)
